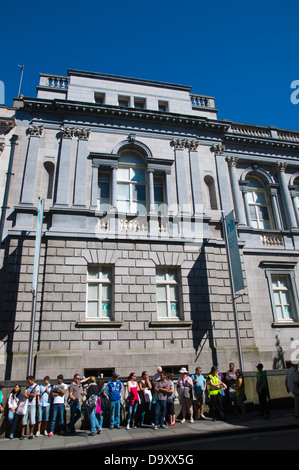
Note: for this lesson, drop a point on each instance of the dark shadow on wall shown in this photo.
(278, 361)
(202, 325)
(9, 287)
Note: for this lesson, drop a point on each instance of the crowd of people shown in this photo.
(149, 400)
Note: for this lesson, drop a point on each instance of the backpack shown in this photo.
(91, 402)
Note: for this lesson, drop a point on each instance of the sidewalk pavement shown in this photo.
(118, 439)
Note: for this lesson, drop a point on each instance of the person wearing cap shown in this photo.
(262, 390)
(58, 394)
(114, 388)
(185, 386)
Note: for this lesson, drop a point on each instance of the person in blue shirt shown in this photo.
(199, 389)
(114, 388)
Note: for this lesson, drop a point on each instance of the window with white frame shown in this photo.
(131, 184)
(259, 207)
(283, 299)
(168, 294)
(99, 293)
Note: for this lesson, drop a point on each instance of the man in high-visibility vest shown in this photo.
(215, 387)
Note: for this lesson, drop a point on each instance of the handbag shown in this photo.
(22, 408)
(147, 395)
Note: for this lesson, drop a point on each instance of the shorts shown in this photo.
(43, 413)
(200, 399)
(31, 414)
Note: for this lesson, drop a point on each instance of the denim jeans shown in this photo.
(58, 409)
(160, 406)
(13, 418)
(43, 412)
(132, 411)
(100, 418)
(75, 408)
(94, 424)
(146, 408)
(115, 413)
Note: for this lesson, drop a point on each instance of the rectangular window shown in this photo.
(139, 103)
(99, 293)
(159, 195)
(124, 101)
(259, 210)
(104, 191)
(168, 294)
(163, 106)
(283, 299)
(99, 98)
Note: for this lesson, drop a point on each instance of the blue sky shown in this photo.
(244, 54)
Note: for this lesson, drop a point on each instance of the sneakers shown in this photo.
(183, 420)
(191, 420)
(155, 428)
(51, 434)
(128, 426)
(37, 434)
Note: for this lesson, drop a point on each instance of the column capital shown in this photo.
(67, 132)
(218, 149)
(281, 166)
(35, 131)
(232, 161)
(83, 133)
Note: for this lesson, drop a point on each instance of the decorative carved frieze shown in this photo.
(2, 146)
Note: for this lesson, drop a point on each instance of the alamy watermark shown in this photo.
(2, 92)
(295, 353)
(295, 94)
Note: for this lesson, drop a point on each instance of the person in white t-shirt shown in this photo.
(31, 391)
(43, 410)
(58, 394)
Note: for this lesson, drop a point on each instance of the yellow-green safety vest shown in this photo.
(213, 390)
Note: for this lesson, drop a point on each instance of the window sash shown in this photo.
(283, 298)
(168, 294)
(99, 293)
(131, 189)
(259, 209)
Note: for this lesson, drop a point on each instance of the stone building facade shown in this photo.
(134, 175)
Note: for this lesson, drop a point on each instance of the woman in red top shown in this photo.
(133, 399)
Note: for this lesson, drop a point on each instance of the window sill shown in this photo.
(170, 324)
(286, 324)
(99, 324)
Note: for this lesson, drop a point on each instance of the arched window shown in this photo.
(258, 202)
(131, 183)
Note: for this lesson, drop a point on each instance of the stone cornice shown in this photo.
(66, 107)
